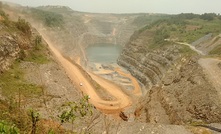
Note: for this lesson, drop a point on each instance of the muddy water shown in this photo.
(102, 59)
(103, 53)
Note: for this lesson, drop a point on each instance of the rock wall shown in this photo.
(185, 96)
(9, 51)
(178, 91)
(148, 66)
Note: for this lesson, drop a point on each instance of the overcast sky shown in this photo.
(132, 6)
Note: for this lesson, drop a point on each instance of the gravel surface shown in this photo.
(58, 88)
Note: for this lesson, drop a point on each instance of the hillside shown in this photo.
(70, 29)
(32, 84)
(173, 62)
(164, 57)
(158, 45)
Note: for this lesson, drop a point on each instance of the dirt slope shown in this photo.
(213, 71)
(77, 77)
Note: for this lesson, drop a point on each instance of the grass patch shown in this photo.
(179, 29)
(154, 45)
(186, 50)
(39, 53)
(37, 57)
(12, 82)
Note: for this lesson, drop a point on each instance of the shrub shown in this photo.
(37, 40)
(208, 16)
(6, 128)
(24, 26)
(50, 19)
(74, 110)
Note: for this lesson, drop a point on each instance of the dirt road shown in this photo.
(137, 90)
(77, 77)
(191, 47)
(213, 71)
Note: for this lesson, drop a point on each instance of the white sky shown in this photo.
(132, 6)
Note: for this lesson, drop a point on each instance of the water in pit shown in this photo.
(102, 59)
(103, 53)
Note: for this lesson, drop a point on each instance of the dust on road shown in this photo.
(77, 76)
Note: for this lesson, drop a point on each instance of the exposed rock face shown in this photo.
(80, 30)
(148, 66)
(185, 97)
(190, 97)
(180, 92)
(9, 51)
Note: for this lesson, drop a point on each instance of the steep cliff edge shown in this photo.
(148, 65)
(186, 96)
(178, 90)
(9, 51)
(30, 80)
(14, 36)
(155, 48)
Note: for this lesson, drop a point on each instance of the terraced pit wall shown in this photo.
(148, 66)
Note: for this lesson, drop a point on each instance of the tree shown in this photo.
(37, 41)
(51, 19)
(75, 110)
(208, 16)
(24, 26)
(160, 35)
(34, 118)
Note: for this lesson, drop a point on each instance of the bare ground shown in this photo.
(77, 77)
(213, 71)
(137, 89)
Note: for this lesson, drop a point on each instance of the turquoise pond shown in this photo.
(103, 53)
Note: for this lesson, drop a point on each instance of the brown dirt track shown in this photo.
(77, 76)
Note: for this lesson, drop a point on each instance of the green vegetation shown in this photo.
(74, 110)
(12, 83)
(15, 92)
(186, 50)
(57, 9)
(12, 118)
(50, 19)
(6, 128)
(160, 35)
(183, 28)
(15, 120)
(37, 57)
(32, 47)
(145, 19)
(208, 16)
(20, 27)
(3, 16)
(35, 117)
(37, 42)
(24, 26)
(39, 52)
